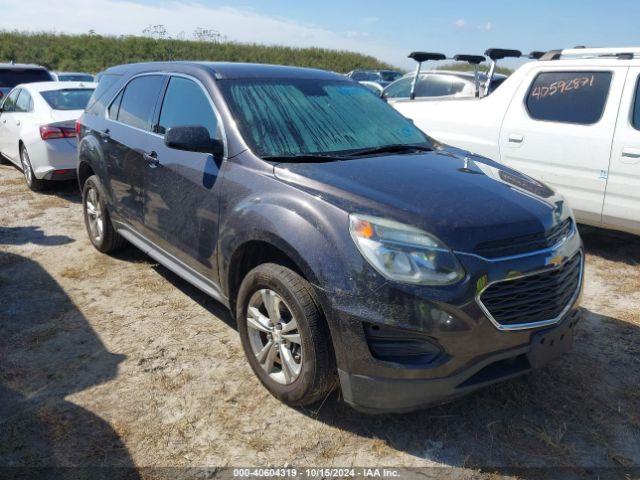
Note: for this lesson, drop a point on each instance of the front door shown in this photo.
(126, 141)
(182, 190)
(558, 129)
(622, 200)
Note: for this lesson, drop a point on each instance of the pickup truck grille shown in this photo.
(538, 297)
(525, 243)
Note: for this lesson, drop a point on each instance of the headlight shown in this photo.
(403, 253)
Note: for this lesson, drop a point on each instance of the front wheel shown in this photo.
(33, 183)
(284, 335)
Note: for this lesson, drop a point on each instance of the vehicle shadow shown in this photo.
(611, 245)
(580, 412)
(31, 234)
(45, 358)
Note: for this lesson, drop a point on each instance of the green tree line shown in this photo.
(93, 53)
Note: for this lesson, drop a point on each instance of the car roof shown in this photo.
(20, 66)
(73, 73)
(458, 73)
(47, 86)
(227, 70)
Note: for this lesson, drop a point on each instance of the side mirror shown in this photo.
(193, 138)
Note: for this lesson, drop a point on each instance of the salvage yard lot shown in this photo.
(113, 360)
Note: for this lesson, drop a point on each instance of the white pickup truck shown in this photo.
(570, 119)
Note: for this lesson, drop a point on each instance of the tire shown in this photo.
(96, 218)
(33, 183)
(317, 370)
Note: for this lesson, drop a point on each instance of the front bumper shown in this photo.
(473, 351)
(372, 394)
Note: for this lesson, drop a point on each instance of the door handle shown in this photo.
(4, 120)
(151, 158)
(633, 153)
(17, 122)
(514, 138)
(105, 134)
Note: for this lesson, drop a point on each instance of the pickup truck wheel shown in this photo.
(96, 217)
(33, 183)
(284, 335)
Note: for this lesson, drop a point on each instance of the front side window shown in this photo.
(185, 103)
(569, 97)
(24, 102)
(282, 116)
(636, 108)
(9, 104)
(68, 99)
(139, 101)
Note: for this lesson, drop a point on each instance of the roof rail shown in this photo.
(623, 53)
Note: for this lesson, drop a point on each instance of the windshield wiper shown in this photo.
(304, 157)
(392, 148)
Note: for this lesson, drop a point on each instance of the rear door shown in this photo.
(622, 200)
(182, 190)
(22, 111)
(7, 119)
(559, 127)
(125, 143)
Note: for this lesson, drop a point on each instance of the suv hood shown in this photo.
(461, 198)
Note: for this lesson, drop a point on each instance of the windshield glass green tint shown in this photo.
(301, 116)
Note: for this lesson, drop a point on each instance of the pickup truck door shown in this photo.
(622, 200)
(559, 127)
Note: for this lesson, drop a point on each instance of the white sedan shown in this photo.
(37, 129)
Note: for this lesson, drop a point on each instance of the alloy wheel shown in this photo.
(26, 166)
(94, 214)
(274, 336)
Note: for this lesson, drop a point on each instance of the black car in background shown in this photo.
(12, 74)
(351, 248)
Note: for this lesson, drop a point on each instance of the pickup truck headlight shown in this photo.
(403, 253)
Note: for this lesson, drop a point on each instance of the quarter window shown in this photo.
(139, 100)
(115, 106)
(636, 107)
(569, 97)
(185, 103)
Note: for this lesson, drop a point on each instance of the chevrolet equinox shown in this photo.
(351, 248)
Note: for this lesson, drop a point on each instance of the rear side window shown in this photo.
(569, 97)
(139, 100)
(105, 82)
(9, 104)
(10, 77)
(24, 102)
(438, 86)
(67, 99)
(185, 103)
(636, 107)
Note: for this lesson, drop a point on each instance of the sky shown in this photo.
(388, 30)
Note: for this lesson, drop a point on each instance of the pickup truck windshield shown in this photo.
(280, 117)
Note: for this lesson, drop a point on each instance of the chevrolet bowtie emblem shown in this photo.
(555, 261)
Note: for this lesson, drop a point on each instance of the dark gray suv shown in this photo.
(351, 248)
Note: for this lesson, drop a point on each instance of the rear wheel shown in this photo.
(33, 183)
(284, 335)
(96, 217)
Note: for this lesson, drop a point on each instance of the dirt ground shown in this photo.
(113, 360)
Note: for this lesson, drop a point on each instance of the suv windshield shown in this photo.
(10, 77)
(390, 76)
(68, 99)
(281, 117)
(75, 77)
